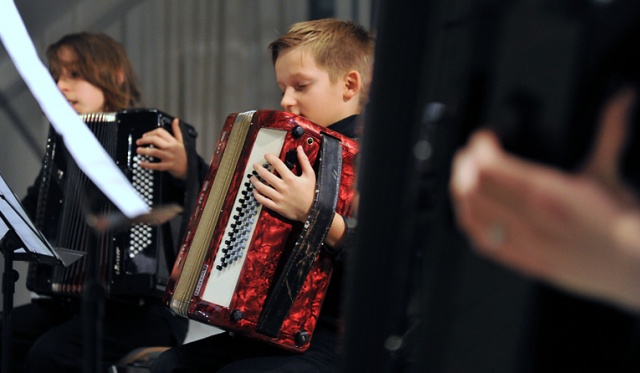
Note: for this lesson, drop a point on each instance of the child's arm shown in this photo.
(338, 230)
(168, 149)
(292, 196)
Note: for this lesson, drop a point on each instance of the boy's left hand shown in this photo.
(169, 150)
(289, 195)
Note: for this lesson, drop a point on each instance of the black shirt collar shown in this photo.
(346, 126)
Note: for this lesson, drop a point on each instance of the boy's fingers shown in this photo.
(177, 132)
(278, 165)
(266, 175)
(305, 165)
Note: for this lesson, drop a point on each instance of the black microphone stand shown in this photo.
(10, 242)
(92, 308)
(94, 294)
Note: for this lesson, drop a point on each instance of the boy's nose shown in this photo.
(287, 101)
(62, 84)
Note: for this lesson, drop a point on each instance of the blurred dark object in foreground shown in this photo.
(537, 72)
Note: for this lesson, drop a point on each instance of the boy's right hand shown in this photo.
(289, 195)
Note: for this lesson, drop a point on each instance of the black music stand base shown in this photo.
(93, 299)
(9, 278)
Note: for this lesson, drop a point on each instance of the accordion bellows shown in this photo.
(234, 249)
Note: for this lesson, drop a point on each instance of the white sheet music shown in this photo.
(79, 140)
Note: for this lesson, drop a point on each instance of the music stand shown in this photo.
(21, 240)
(94, 295)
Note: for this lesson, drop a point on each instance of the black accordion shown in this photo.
(132, 260)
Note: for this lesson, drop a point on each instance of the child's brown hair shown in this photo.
(102, 62)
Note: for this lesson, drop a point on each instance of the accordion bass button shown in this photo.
(297, 131)
(302, 338)
(236, 315)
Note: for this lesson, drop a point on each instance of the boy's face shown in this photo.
(83, 96)
(307, 90)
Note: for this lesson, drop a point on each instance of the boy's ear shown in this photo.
(352, 84)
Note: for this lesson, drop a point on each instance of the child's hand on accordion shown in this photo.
(285, 193)
(167, 149)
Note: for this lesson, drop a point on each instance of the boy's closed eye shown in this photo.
(297, 88)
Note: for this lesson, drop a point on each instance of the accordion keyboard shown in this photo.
(239, 230)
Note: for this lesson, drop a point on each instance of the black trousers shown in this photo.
(227, 353)
(48, 334)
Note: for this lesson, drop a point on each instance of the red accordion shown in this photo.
(244, 268)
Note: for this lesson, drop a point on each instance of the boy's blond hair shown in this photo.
(336, 45)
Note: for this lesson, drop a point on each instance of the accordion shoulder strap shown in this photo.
(309, 242)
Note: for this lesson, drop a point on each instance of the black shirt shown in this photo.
(331, 308)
